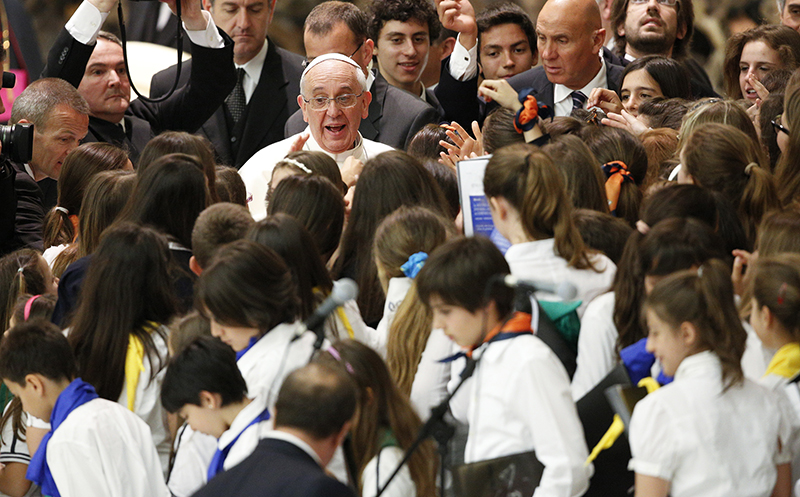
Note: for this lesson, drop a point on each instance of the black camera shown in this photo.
(17, 140)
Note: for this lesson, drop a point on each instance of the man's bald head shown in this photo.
(570, 36)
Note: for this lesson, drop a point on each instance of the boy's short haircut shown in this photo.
(36, 347)
(205, 364)
(422, 11)
(458, 272)
(317, 399)
(217, 225)
(506, 13)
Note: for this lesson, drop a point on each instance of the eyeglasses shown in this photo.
(342, 101)
(778, 127)
(668, 3)
(306, 62)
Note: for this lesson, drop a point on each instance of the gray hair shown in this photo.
(360, 76)
(39, 100)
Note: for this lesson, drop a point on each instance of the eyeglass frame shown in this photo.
(778, 126)
(335, 100)
(306, 62)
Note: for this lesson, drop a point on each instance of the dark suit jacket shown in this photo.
(275, 469)
(536, 78)
(212, 78)
(272, 102)
(394, 118)
(460, 102)
(29, 219)
(141, 25)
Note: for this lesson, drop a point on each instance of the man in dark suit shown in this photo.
(403, 32)
(395, 116)
(658, 27)
(60, 119)
(93, 62)
(270, 83)
(312, 417)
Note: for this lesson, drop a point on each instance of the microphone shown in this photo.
(343, 290)
(563, 289)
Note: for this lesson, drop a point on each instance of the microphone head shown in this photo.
(343, 290)
(566, 290)
(9, 79)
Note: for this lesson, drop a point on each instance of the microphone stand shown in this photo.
(436, 427)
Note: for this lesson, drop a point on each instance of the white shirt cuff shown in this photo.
(209, 37)
(85, 23)
(463, 62)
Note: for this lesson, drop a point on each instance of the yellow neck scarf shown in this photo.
(134, 364)
(786, 361)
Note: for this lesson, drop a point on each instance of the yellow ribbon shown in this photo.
(134, 364)
(343, 316)
(786, 361)
(617, 426)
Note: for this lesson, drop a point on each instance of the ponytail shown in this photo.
(705, 298)
(527, 178)
(58, 227)
(20, 273)
(775, 283)
(624, 197)
(759, 198)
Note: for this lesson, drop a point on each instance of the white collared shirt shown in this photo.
(250, 435)
(257, 171)
(537, 260)
(518, 400)
(87, 21)
(252, 71)
(288, 437)
(597, 345)
(562, 96)
(706, 441)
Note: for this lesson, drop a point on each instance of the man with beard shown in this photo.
(658, 27)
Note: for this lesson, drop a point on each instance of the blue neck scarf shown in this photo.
(250, 344)
(218, 461)
(75, 395)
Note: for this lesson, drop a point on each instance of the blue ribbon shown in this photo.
(638, 361)
(413, 265)
(75, 395)
(218, 461)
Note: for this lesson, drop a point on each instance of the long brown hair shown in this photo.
(775, 283)
(382, 410)
(704, 298)
(527, 178)
(79, 167)
(580, 169)
(106, 196)
(724, 159)
(20, 273)
(782, 39)
(787, 169)
(405, 232)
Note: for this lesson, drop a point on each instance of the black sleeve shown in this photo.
(8, 207)
(67, 59)
(459, 99)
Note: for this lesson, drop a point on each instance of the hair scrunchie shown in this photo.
(413, 265)
(749, 168)
(62, 209)
(616, 173)
(26, 313)
(531, 109)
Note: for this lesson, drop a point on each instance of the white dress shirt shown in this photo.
(706, 441)
(519, 400)
(250, 435)
(538, 261)
(194, 451)
(597, 345)
(402, 485)
(103, 449)
(252, 72)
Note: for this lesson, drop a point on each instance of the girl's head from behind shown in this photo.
(171, 142)
(775, 289)
(33, 307)
(22, 272)
(106, 196)
(169, 196)
(653, 76)
(425, 143)
(583, 177)
(229, 186)
(498, 130)
(405, 232)
(693, 311)
(779, 233)
(290, 240)
(305, 163)
(245, 292)
(317, 204)
(714, 110)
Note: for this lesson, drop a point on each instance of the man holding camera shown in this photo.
(93, 62)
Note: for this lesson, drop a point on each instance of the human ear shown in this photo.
(210, 400)
(689, 334)
(35, 382)
(194, 266)
(302, 104)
